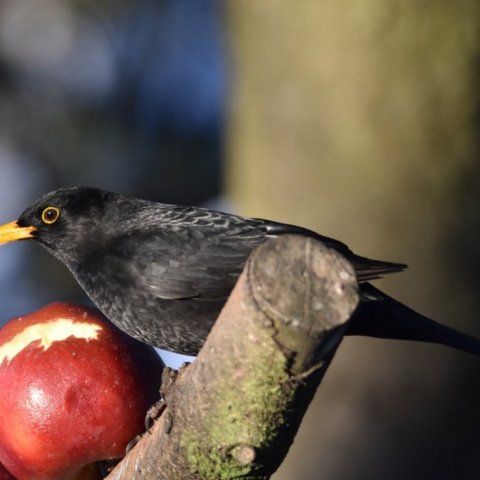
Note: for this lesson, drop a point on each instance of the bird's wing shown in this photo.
(195, 262)
(197, 253)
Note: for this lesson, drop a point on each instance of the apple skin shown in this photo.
(5, 474)
(78, 397)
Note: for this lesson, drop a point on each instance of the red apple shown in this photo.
(5, 474)
(73, 389)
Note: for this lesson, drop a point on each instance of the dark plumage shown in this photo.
(162, 272)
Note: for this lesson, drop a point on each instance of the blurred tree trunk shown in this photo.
(357, 119)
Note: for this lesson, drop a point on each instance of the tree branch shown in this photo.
(235, 411)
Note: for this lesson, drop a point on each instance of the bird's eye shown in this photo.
(50, 215)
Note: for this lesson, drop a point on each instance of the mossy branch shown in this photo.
(235, 411)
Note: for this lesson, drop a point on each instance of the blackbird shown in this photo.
(162, 272)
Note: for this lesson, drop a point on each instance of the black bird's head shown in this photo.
(62, 221)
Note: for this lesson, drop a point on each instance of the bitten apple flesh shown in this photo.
(73, 389)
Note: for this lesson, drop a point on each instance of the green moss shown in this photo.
(253, 413)
(211, 465)
(249, 414)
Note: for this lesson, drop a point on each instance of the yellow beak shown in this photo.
(11, 232)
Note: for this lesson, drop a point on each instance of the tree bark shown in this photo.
(234, 412)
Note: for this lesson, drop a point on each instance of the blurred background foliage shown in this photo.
(357, 119)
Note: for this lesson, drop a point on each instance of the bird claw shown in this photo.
(169, 376)
(132, 443)
(153, 413)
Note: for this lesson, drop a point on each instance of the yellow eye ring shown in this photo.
(50, 215)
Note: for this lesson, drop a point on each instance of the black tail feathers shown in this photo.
(384, 317)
